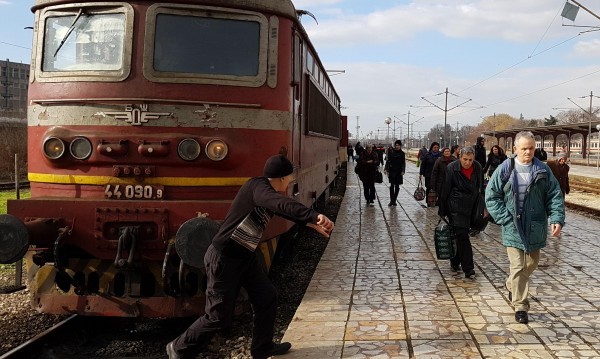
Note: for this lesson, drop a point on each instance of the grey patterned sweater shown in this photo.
(253, 207)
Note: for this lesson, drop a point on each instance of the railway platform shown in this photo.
(380, 292)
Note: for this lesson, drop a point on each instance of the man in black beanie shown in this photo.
(231, 263)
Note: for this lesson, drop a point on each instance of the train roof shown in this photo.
(280, 7)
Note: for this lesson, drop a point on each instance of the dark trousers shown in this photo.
(395, 182)
(427, 187)
(225, 276)
(464, 251)
(369, 190)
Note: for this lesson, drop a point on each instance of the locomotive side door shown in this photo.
(297, 102)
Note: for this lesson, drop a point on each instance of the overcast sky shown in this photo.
(514, 57)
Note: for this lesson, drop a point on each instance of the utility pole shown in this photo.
(589, 112)
(357, 128)
(445, 109)
(407, 123)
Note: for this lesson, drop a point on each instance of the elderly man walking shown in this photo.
(523, 196)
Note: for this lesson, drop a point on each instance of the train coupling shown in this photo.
(16, 236)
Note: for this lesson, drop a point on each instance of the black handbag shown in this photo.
(419, 194)
(479, 216)
(443, 239)
(378, 177)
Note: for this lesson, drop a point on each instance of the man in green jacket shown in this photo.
(522, 197)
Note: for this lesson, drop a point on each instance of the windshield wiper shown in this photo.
(71, 28)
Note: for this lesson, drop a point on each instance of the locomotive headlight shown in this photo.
(54, 148)
(80, 148)
(216, 150)
(188, 149)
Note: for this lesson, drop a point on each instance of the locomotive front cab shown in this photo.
(137, 124)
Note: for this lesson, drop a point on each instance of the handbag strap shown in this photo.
(420, 179)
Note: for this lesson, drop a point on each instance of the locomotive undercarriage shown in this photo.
(120, 260)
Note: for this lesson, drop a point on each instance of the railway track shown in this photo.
(36, 345)
(584, 186)
(7, 186)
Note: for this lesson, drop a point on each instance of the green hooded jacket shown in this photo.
(543, 203)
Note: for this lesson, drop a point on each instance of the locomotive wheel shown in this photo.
(193, 238)
(14, 239)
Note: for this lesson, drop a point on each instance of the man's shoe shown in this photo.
(172, 353)
(521, 317)
(455, 267)
(390, 204)
(470, 274)
(276, 349)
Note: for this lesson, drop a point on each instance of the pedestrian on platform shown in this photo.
(231, 263)
(541, 154)
(494, 159)
(455, 150)
(368, 162)
(350, 152)
(438, 174)
(523, 196)
(458, 197)
(480, 151)
(358, 148)
(395, 166)
(560, 169)
(427, 163)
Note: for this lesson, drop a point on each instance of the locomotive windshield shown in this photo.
(202, 45)
(84, 42)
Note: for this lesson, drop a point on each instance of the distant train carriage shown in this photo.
(144, 115)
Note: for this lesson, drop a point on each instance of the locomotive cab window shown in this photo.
(85, 43)
(205, 45)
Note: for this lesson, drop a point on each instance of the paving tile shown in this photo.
(445, 349)
(315, 349)
(374, 330)
(376, 349)
(438, 329)
(529, 351)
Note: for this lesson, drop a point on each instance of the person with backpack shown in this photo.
(524, 197)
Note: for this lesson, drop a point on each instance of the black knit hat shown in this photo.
(278, 166)
(398, 142)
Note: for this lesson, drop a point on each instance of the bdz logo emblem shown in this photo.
(136, 116)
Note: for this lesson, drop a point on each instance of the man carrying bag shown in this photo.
(457, 201)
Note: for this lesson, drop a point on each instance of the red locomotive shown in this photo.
(144, 115)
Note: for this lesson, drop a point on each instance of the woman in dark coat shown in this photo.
(462, 185)
(438, 174)
(395, 166)
(494, 159)
(368, 162)
(427, 165)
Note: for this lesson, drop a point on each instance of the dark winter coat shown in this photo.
(367, 170)
(427, 163)
(541, 154)
(395, 164)
(459, 195)
(492, 163)
(561, 172)
(438, 174)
